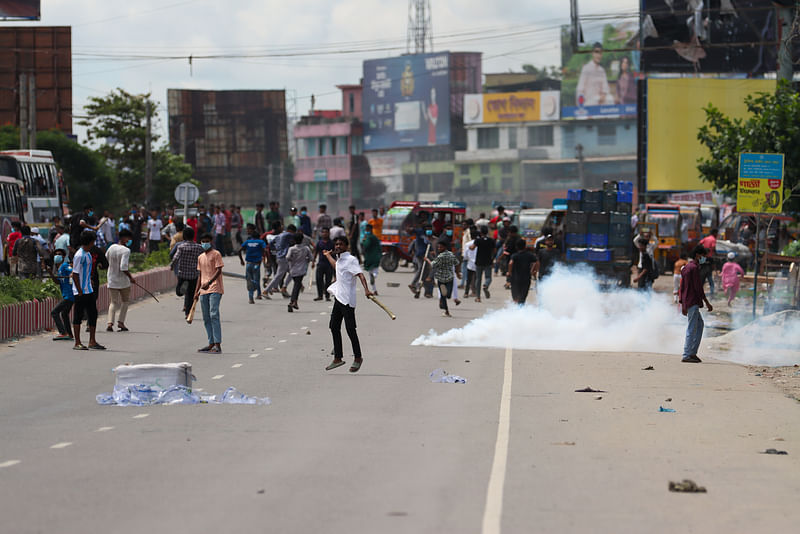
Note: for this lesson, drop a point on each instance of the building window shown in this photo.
(352, 102)
(464, 183)
(512, 137)
(463, 170)
(488, 138)
(320, 175)
(357, 146)
(484, 168)
(540, 135)
(311, 147)
(505, 168)
(507, 183)
(606, 134)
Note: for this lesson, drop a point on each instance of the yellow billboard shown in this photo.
(523, 106)
(675, 114)
(760, 183)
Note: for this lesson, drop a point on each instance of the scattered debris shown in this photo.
(440, 376)
(667, 410)
(648, 368)
(143, 395)
(588, 389)
(686, 486)
(568, 443)
(308, 332)
(392, 284)
(598, 397)
(261, 491)
(778, 439)
(466, 361)
(668, 399)
(774, 451)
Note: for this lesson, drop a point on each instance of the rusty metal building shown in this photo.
(40, 57)
(236, 142)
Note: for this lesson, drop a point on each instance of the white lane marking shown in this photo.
(281, 341)
(323, 313)
(217, 377)
(493, 513)
(303, 328)
(62, 445)
(313, 320)
(254, 355)
(197, 389)
(269, 348)
(236, 365)
(293, 334)
(9, 463)
(141, 416)
(104, 429)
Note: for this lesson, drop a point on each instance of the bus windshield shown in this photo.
(38, 173)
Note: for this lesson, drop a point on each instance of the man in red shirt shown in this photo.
(692, 298)
(11, 239)
(707, 268)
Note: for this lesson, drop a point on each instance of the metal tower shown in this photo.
(420, 30)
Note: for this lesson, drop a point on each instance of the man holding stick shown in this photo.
(344, 304)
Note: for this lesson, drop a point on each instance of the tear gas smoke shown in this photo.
(772, 341)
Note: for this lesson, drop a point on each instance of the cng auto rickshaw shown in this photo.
(668, 235)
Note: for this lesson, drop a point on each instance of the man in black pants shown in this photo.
(324, 269)
(344, 304)
(187, 252)
(85, 301)
(521, 268)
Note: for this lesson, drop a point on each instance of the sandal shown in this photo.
(110, 328)
(334, 364)
(97, 346)
(356, 366)
(80, 347)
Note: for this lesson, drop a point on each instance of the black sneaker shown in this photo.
(486, 292)
(692, 359)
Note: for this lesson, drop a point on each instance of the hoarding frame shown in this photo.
(20, 10)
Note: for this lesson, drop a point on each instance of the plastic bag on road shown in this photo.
(143, 395)
(440, 376)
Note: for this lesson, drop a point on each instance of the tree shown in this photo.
(773, 125)
(552, 72)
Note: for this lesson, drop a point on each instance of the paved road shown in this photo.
(385, 450)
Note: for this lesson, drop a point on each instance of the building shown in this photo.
(36, 78)
(331, 168)
(236, 142)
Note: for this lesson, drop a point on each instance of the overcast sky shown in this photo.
(509, 33)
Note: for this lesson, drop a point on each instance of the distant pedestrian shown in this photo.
(323, 220)
(469, 263)
(258, 220)
(444, 271)
(298, 257)
(255, 251)
(82, 289)
(60, 313)
(692, 298)
(371, 246)
(154, 226)
(119, 281)
(707, 266)
(281, 245)
(676, 275)
(344, 303)
(210, 290)
(484, 257)
(305, 221)
(28, 251)
(521, 268)
(324, 275)
(187, 252)
(732, 273)
(644, 278)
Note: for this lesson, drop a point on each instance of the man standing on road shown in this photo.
(305, 221)
(323, 220)
(85, 301)
(521, 268)
(344, 303)
(444, 268)
(258, 220)
(209, 290)
(371, 246)
(187, 253)
(60, 313)
(324, 269)
(709, 243)
(692, 298)
(119, 280)
(484, 255)
(28, 252)
(255, 251)
(281, 244)
(644, 278)
(154, 226)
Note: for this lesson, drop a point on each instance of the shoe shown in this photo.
(285, 294)
(216, 349)
(416, 295)
(317, 299)
(121, 327)
(295, 306)
(110, 328)
(251, 301)
(446, 314)
(413, 288)
(258, 297)
(80, 347)
(289, 308)
(327, 299)
(457, 301)
(486, 292)
(477, 299)
(63, 337)
(206, 348)
(334, 364)
(692, 359)
(355, 366)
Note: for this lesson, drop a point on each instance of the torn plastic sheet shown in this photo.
(144, 395)
(441, 376)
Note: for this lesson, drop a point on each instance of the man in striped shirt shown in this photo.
(84, 292)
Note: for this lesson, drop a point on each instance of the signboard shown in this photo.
(599, 83)
(760, 184)
(703, 197)
(187, 193)
(406, 101)
(524, 106)
(20, 10)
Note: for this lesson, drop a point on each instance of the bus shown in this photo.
(44, 192)
(10, 211)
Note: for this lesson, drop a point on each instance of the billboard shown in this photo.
(598, 82)
(760, 183)
(523, 106)
(675, 114)
(715, 36)
(20, 10)
(406, 101)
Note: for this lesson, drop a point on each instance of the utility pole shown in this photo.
(785, 20)
(579, 156)
(23, 110)
(32, 111)
(148, 157)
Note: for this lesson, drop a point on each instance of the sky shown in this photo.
(143, 46)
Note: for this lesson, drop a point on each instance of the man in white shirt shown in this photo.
(154, 226)
(343, 291)
(593, 82)
(119, 280)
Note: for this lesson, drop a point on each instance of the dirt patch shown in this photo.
(786, 378)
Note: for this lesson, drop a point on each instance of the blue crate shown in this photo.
(598, 254)
(597, 240)
(625, 207)
(576, 240)
(625, 197)
(576, 254)
(625, 187)
(575, 194)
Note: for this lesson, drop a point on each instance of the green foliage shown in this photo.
(158, 258)
(9, 137)
(14, 289)
(551, 72)
(773, 125)
(792, 249)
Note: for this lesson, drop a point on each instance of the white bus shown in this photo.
(10, 211)
(44, 191)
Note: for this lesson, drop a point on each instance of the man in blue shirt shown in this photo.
(60, 313)
(83, 291)
(255, 251)
(305, 221)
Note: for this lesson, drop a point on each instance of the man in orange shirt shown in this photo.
(377, 223)
(707, 265)
(209, 290)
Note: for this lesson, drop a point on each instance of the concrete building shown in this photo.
(236, 142)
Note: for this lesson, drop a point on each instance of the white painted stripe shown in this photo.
(62, 445)
(217, 377)
(493, 513)
(303, 328)
(141, 416)
(254, 355)
(293, 334)
(281, 341)
(9, 463)
(323, 313)
(104, 429)
(313, 320)
(268, 348)
(236, 365)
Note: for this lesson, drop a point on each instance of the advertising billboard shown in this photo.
(20, 10)
(675, 114)
(716, 36)
(760, 183)
(598, 82)
(523, 106)
(406, 101)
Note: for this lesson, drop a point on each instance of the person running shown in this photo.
(547, 254)
(85, 301)
(255, 250)
(324, 269)
(281, 244)
(444, 268)
(187, 253)
(469, 263)
(692, 298)
(422, 240)
(298, 257)
(484, 257)
(119, 281)
(521, 267)
(343, 291)
(732, 273)
(371, 246)
(60, 313)
(209, 290)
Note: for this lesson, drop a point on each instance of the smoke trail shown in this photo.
(573, 313)
(771, 341)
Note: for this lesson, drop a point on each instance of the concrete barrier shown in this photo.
(25, 318)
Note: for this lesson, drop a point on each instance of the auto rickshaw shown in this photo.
(710, 214)
(668, 236)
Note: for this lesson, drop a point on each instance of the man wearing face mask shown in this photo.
(305, 221)
(209, 291)
(424, 237)
(119, 280)
(60, 313)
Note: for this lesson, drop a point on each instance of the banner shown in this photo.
(523, 106)
(760, 185)
(406, 101)
(20, 10)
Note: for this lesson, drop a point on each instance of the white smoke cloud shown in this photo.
(771, 341)
(573, 313)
